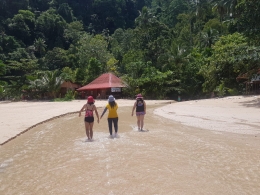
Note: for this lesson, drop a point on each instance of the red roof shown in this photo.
(104, 81)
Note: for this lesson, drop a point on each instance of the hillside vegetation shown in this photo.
(161, 48)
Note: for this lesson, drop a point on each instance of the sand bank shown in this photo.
(238, 114)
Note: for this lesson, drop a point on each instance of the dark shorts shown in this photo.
(89, 119)
(140, 113)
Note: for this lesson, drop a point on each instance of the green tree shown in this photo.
(66, 12)
(191, 80)
(67, 74)
(151, 36)
(22, 67)
(248, 19)
(10, 8)
(50, 26)
(20, 63)
(215, 24)
(112, 66)
(2, 68)
(134, 63)
(122, 41)
(40, 46)
(93, 69)
(156, 84)
(93, 47)
(8, 44)
(81, 75)
(209, 37)
(220, 7)
(74, 32)
(220, 68)
(49, 82)
(56, 59)
(22, 26)
(167, 11)
(145, 18)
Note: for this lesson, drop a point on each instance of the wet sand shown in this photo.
(171, 158)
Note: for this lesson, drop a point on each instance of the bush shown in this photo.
(68, 97)
(233, 91)
(221, 90)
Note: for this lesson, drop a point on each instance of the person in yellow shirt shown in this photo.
(112, 117)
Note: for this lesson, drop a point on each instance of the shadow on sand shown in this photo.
(252, 103)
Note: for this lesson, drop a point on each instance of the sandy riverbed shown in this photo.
(194, 147)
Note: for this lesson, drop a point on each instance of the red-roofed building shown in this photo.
(105, 85)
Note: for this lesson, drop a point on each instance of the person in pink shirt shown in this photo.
(89, 108)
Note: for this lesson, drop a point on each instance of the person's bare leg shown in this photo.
(87, 129)
(138, 122)
(91, 129)
(142, 121)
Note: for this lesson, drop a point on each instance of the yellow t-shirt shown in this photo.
(112, 111)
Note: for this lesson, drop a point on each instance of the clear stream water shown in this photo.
(54, 158)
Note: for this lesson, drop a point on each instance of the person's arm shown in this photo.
(81, 110)
(144, 107)
(134, 107)
(95, 108)
(103, 112)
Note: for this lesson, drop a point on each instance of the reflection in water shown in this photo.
(54, 158)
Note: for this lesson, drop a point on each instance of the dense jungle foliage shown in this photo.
(161, 48)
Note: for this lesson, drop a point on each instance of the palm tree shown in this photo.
(144, 19)
(226, 7)
(220, 7)
(231, 6)
(209, 37)
(174, 58)
(201, 7)
(50, 82)
(40, 46)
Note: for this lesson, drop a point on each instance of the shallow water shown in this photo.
(54, 158)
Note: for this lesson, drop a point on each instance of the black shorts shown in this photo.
(89, 119)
